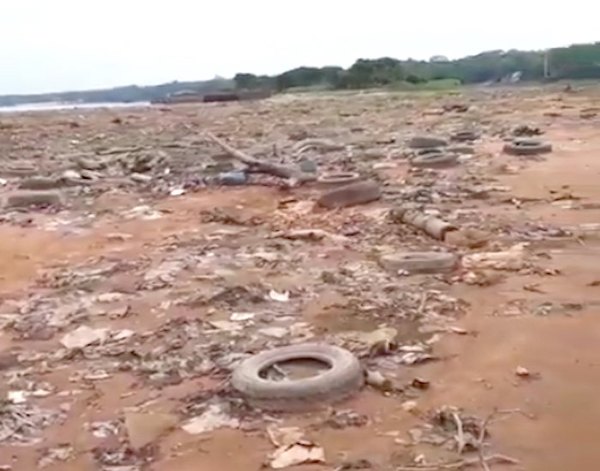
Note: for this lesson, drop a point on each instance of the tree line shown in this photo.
(580, 61)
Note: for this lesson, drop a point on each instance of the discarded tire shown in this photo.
(308, 166)
(18, 171)
(419, 262)
(343, 378)
(464, 136)
(435, 160)
(27, 199)
(350, 195)
(420, 142)
(429, 151)
(40, 183)
(341, 178)
(527, 147)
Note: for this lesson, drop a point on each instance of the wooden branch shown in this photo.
(294, 176)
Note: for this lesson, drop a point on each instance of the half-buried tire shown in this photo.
(527, 147)
(420, 142)
(343, 378)
(338, 179)
(435, 161)
(419, 262)
(361, 192)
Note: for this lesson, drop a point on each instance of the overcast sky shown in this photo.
(54, 45)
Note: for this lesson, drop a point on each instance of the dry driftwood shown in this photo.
(293, 175)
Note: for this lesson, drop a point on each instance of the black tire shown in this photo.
(338, 178)
(343, 379)
(464, 136)
(40, 183)
(429, 151)
(361, 192)
(435, 161)
(421, 142)
(527, 147)
(419, 262)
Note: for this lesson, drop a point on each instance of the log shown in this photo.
(293, 175)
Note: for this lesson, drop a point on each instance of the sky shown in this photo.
(57, 45)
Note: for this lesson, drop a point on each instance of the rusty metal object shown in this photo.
(431, 225)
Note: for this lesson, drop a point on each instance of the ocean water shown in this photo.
(49, 106)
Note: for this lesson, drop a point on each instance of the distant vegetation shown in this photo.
(580, 61)
(128, 94)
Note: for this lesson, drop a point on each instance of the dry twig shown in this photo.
(293, 175)
(460, 435)
(463, 463)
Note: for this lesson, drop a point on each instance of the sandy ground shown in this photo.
(542, 318)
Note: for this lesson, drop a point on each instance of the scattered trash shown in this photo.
(193, 287)
(284, 436)
(346, 418)
(177, 192)
(213, 418)
(512, 259)
(380, 341)
(420, 383)
(301, 452)
(242, 316)
(17, 397)
(525, 130)
(378, 381)
(83, 336)
(24, 423)
(232, 178)
(275, 332)
(279, 297)
(522, 371)
(52, 455)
